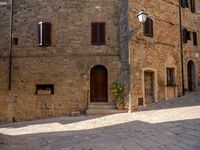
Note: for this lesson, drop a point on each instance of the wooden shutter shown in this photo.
(94, 28)
(184, 35)
(188, 35)
(187, 3)
(148, 27)
(183, 3)
(44, 34)
(47, 34)
(194, 38)
(101, 33)
(98, 33)
(192, 3)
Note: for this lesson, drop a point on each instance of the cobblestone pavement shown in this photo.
(171, 125)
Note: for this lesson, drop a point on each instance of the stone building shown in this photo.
(65, 55)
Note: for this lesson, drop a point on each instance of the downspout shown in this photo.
(10, 48)
(181, 43)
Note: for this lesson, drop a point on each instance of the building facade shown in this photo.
(65, 55)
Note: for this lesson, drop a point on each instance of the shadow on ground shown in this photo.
(135, 135)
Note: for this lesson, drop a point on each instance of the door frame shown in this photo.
(90, 96)
(154, 84)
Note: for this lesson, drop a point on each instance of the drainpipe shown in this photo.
(181, 42)
(10, 48)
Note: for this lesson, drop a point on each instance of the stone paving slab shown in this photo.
(170, 125)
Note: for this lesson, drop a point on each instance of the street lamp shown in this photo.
(142, 16)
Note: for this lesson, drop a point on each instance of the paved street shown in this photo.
(171, 125)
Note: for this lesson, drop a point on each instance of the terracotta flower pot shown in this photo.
(120, 106)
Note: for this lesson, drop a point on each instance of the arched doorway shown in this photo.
(99, 84)
(191, 76)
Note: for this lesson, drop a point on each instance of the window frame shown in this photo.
(170, 79)
(44, 34)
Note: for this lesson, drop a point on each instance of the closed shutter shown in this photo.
(148, 27)
(94, 28)
(192, 2)
(194, 38)
(98, 33)
(47, 34)
(188, 35)
(102, 33)
(184, 35)
(183, 3)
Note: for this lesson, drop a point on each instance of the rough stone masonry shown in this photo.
(67, 63)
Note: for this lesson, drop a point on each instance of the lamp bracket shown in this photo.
(133, 31)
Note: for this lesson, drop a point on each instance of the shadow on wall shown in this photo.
(136, 135)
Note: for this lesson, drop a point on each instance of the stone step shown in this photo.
(103, 111)
(101, 106)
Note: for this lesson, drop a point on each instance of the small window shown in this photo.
(98, 33)
(186, 35)
(194, 38)
(44, 34)
(148, 27)
(185, 3)
(44, 89)
(192, 4)
(170, 76)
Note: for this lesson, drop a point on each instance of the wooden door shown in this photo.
(148, 85)
(99, 84)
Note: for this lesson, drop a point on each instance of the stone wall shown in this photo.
(161, 51)
(66, 64)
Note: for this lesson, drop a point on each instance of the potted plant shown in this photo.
(118, 91)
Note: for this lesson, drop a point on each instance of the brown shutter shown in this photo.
(47, 34)
(192, 2)
(98, 33)
(184, 35)
(188, 35)
(93, 33)
(183, 3)
(186, 3)
(194, 38)
(102, 33)
(148, 27)
(151, 27)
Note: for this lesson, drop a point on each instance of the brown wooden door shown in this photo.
(148, 84)
(99, 84)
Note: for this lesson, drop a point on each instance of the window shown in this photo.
(170, 76)
(194, 38)
(44, 34)
(98, 33)
(148, 27)
(186, 35)
(185, 3)
(192, 4)
(188, 4)
(44, 89)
